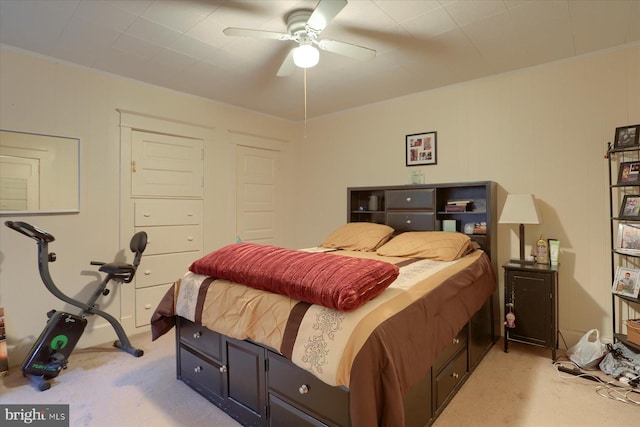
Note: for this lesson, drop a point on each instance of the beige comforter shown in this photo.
(379, 350)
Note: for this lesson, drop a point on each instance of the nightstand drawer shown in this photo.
(411, 221)
(201, 339)
(305, 391)
(410, 199)
(450, 377)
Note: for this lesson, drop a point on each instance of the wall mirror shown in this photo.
(38, 173)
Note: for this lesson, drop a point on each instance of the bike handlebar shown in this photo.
(30, 231)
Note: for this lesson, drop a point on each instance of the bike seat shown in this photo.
(119, 271)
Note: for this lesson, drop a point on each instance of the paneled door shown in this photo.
(165, 165)
(257, 193)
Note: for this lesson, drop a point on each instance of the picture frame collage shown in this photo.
(421, 149)
(626, 282)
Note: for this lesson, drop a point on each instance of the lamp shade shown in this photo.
(520, 209)
(306, 56)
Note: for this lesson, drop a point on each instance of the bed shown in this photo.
(270, 351)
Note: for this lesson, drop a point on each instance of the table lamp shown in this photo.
(520, 209)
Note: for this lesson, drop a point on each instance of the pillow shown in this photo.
(358, 236)
(436, 245)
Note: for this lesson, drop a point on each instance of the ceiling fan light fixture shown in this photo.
(306, 56)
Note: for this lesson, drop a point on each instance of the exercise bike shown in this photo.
(49, 354)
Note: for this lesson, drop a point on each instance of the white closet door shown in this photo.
(167, 166)
(257, 177)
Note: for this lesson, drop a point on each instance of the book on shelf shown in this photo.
(458, 206)
(455, 208)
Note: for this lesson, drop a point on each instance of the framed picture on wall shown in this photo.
(421, 148)
(627, 136)
(629, 173)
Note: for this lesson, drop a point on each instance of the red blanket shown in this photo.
(342, 283)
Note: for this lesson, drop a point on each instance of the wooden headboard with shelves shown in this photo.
(423, 207)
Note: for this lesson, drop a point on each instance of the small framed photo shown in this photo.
(630, 208)
(629, 173)
(626, 136)
(626, 282)
(628, 239)
(421, 149)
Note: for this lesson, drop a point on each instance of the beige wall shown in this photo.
(541, 130)
(43, 96)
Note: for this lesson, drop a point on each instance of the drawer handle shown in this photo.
(197, 335)
(147, 307)
(455, 375)
(223, 369)
(146, 214)
(147, 272)
(456, 340)
(303, 389)
(190, 214)
(190, 238)
(197, 369)
(408, 199)
(408, 221)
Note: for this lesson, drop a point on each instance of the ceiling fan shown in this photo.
(304, 27)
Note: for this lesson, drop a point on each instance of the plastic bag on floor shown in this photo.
(589, 351)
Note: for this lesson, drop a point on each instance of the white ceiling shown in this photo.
(420, 45)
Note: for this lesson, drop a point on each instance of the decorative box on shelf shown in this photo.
(633, 331)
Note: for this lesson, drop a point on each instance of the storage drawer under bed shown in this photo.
(448, 380)
(302, 390)
(201, 339)
(203, 375)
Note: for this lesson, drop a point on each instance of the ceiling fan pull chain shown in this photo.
(305, 102)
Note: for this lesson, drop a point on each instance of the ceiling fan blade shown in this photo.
(347, 49)
(288, 66)
(324, 12)
(245, 32)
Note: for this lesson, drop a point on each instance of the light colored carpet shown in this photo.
(106, 387)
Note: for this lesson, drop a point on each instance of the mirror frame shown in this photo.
(78, 192)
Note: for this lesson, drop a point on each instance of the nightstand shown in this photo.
(531, 295)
